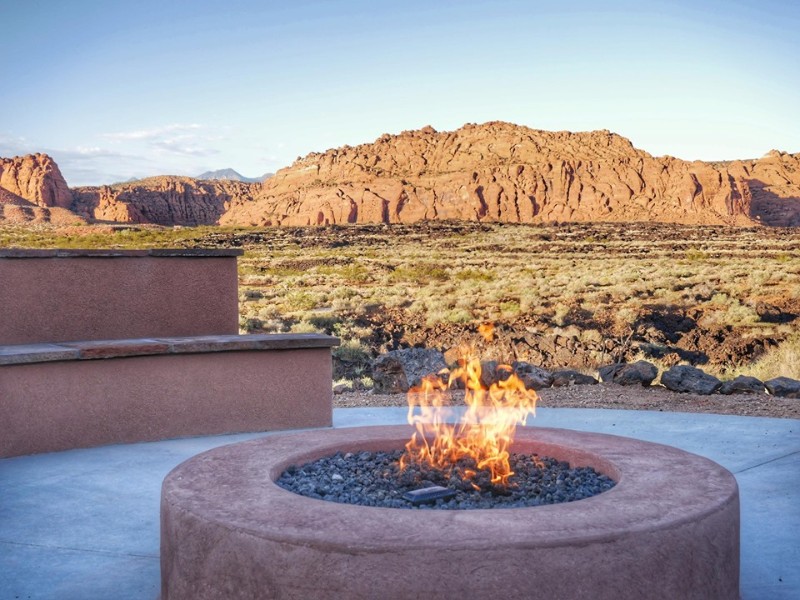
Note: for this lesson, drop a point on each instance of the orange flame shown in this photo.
(484, 432)
(487, 331)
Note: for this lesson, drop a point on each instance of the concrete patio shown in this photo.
(84, 524)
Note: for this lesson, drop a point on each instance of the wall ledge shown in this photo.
(18, 354)
(111, 253)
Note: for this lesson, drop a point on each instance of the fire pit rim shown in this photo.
(627, 509)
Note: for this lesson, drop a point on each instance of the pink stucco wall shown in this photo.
(51, 406)
(62, 295)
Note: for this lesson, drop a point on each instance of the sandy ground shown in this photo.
(619, 397)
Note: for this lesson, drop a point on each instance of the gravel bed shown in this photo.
(609, 395)
(375, 479)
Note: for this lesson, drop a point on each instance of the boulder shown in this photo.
(687, 379)
(783, 387)
(639, 373)
(341, 388)
(742, 385)
(567, 377)
(489, 374)
(532, 376)
(396, 371)
(769, 313)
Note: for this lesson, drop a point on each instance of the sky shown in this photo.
(114, 90)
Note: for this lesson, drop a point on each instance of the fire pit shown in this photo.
(668, 529)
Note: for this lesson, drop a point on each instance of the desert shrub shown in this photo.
(695, 255)
(344, 382)
(510, 308)
(560, 315)
(422, 273)
(344, 293)
(325, 322)
(474, 275)
(458, 315)
(352, 351)
(591, 336)
(303, 327)
(250, 325)
(781, 361)
(299, 300)
(250, 294)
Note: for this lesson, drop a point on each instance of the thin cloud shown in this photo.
(155, 133)
(14, 146)
(179, 146)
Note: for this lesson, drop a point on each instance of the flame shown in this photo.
(487, 331)
(484, 432)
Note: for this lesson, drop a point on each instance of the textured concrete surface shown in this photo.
(668, 529)
(84, 524)
(63, 295)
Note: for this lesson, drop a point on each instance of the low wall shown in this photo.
(60, 396)
(62, 295)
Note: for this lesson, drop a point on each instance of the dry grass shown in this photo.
(601, 278)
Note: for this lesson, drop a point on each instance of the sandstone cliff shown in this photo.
(503, 172)
(491, 172)
(32, 189)
(35, 177)
(162, 200)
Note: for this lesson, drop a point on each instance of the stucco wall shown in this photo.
(63, 295)
(51, 406)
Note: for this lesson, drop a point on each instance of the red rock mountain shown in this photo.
(32, 189)
(491, 172)
(504, 172)
(162, 200)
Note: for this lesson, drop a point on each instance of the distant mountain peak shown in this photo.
(232, 175)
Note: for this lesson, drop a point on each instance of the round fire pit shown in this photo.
(668, 529)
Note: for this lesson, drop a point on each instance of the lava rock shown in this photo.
(783, 387)
(742, 385)
(341, 388)
(639, 373)
(533, 377)
(396, 371)
(567, 377)
(769, 313)
(687, 379)
(376, 479)
(488, 372)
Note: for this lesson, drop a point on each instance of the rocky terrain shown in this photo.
(494, 172)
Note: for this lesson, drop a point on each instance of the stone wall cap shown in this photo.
(115, 253)
(35, 353)
(103, 349)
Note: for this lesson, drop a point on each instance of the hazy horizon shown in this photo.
(116, 91)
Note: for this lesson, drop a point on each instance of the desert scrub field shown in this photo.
(561, 295)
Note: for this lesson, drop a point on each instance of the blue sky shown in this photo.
(115, 89)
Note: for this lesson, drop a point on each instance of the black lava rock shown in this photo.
(375, 479)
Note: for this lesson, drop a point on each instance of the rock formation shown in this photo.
(491, 172)
(504, 172)
(35, 177)
(32, 189)
(162, 200)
